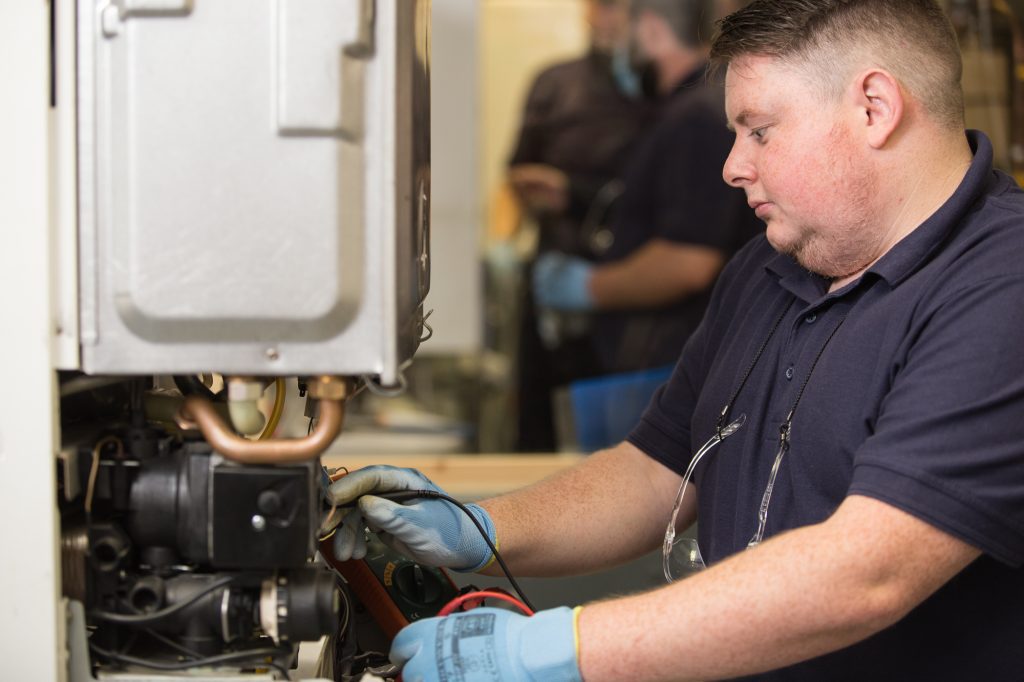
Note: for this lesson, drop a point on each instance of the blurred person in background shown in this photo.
(580, 121)
(676, 223)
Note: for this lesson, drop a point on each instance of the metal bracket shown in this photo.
(115, 13)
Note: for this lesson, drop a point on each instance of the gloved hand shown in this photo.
(432, 532)
(491, 645)
(562, 282)
(543, 188)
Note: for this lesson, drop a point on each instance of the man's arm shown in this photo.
(658, 273)
(542, 188)
(799, 595)
(610, 508)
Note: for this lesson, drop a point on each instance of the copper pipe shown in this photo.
(200, 412)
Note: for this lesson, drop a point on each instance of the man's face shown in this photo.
(609, 24)
(805, 172)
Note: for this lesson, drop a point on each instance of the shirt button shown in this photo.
(789, 372)
(811, 318)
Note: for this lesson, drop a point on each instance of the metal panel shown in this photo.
(242, 173)
(320, 91)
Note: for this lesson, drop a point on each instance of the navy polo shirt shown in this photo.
(917, 401)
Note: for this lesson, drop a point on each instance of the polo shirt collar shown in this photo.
(797, 280)
(903, 259)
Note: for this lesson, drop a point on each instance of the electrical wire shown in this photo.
(402, 495)
(232, 657)
(346, 639)
(375, 387)
(94, 470)
(167, 641)
(329, 535)
(348, 604)
(451, 606)
(367, 654)
(325, 525)
(146, 618)
(276, 411)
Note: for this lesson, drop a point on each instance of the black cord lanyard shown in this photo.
(787, 426)
(724, 414)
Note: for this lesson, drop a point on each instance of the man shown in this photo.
(872, 344)
(676, 223)
(580, 121)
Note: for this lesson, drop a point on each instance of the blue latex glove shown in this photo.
(490, 645)
(562, 282)
(431, 532)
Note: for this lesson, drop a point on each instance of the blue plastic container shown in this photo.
(605, 409)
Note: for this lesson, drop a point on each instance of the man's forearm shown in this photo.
(610, 508)
(659, 273)
(797, 596)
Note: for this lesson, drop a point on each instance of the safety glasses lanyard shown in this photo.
(722, 431)
(724, 414)
(785, 430)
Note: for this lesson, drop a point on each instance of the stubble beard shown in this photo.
(835, 255)
(850, 241)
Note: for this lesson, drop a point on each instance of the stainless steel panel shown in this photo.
(243, 174)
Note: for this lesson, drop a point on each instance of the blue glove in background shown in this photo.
(562, 282)
(431, 532)
(490, 645)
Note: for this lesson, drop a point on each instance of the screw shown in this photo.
(272, 354)
(259, 523)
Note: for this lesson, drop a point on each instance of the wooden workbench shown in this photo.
(469, 476)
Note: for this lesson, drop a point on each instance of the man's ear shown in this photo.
(880, 99)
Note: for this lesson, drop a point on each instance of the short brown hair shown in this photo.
(912, 39)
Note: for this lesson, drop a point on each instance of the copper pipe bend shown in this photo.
(199, 412)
